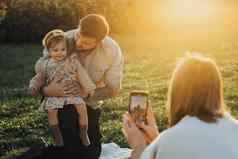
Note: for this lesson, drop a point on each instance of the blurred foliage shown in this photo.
(149, 59)
(28, 20)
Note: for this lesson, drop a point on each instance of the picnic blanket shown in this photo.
(114, 151)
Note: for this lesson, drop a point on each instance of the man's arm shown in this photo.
(113, 78)
(61, 89)
(103, 94)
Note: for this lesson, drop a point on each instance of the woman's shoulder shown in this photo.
(170, 138)
(186, 126)
(190, 131)
(192, 126)
(186, 123)
(160, 144)
(228, 121)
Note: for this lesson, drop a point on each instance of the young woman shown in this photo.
(200, 126)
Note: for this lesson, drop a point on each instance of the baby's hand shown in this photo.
(100, 84)
(83, 93)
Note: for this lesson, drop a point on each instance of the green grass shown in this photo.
(148, 65)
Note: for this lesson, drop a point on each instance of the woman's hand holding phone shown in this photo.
(138, 104)
(141, 116)
(139, 136)
(149, 129)
(133, 135)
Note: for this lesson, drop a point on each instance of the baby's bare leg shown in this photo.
(83, 123)
(54, 126)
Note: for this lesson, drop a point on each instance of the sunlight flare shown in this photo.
(190, 11)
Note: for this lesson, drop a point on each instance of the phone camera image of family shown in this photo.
(138, 105)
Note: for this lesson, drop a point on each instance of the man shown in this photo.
(102, 58)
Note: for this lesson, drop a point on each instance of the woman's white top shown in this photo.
(192, 138)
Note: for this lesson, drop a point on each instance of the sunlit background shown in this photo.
(152, 34)
(191, 11)
(192, 24)
(175, 20)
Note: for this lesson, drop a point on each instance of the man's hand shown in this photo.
(115, 92)
(62, 89)
(103, 94)
(72, 88)
(54, 89)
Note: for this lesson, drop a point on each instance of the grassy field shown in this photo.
(148, 65)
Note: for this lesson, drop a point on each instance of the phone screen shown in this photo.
(138, 107)
(138, 102)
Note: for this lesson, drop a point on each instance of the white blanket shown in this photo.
(113, 151)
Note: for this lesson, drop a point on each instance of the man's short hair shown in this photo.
(94, 26)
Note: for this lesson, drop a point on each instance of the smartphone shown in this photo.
(138, 105)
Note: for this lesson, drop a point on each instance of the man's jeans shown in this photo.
(69, 125)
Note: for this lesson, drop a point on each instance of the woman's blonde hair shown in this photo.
(53, 37)
(196, 89)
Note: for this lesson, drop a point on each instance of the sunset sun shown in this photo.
(190, 11)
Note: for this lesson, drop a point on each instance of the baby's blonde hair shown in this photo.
(53, 37)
